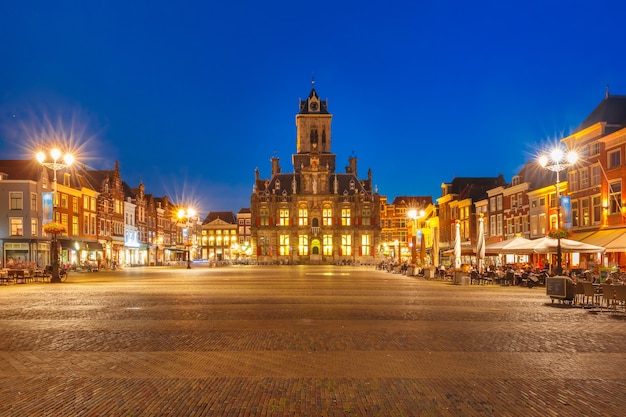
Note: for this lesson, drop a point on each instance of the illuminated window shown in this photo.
(33, 201)
(327, 216)
(303, 244)
(615, 197)
(596, 209)
(327, 242)
(345, 217)
(586, 215)
(64, 201)
(75, 204)
(283, 245)
(346, 245)
(365, 245)
(75, 226)
(303, 216)
(574, 213)
(283, 215)
(17, 226)
(34, 225)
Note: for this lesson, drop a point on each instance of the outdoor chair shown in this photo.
(591, 297)
(608, 295)
(579, 292)
(620, 296)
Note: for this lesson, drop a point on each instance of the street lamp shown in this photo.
(55, 165)
(414, 214)
(558, 161)
(184, 216)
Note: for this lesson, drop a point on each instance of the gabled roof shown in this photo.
(413, 201)
(611, 110)
(536, 176)
(14, 169)
(223, 216)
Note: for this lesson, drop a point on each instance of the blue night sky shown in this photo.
(192, 96)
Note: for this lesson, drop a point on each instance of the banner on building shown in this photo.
(46, 205)
(566, 211)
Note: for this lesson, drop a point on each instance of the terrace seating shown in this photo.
(608, 295)
(620, 296)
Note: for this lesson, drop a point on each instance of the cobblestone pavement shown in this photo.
(302, 341)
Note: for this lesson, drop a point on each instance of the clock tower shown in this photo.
(313, 124)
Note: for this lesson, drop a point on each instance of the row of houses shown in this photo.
(317, 214)
(530, 205)
(106, 222)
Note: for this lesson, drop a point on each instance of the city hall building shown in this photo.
(314, 214)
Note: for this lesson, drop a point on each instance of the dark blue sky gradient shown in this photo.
(191, 97)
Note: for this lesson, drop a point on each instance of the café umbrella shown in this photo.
(457, 245)
(434, 252)
(480, 245)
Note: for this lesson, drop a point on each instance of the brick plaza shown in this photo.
(301, 341)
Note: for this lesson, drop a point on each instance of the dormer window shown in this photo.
(352, 185)
(277, 185)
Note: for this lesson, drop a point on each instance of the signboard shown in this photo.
(566, 211)
(560, 287)
(46, 205)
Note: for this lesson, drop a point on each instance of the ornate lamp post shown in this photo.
(184, 216)
(558, 161)
(414, 214)
(55, 165)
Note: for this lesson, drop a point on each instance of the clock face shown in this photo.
(313, 106)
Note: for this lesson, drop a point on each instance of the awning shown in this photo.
(80, 245)
(613, 240)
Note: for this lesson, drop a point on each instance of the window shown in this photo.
(584, 178)
(283, 215)
(492, 225)
(366, 249)
(594, 148)
(283, 245)
(614, 159)
(86, 223)
(596, 204)
(33, 201)
(492, 204)
(17, 227)
(543, 223)
(574, 213)
(499, 225)
(615, 197)
(264, 216)
(64, 201)
(346, 245)
(85, 202)
(34, 226)
(573, 181)
(303, 216)
(75, 204)
(366, 214)
(75, 226)
(327, 216)
(499, 202)
(586, 215)
(327, 245)
(15, 200)
(595, 175)
(303, 245)
(345, 217)
(513, 202)
(93, 203)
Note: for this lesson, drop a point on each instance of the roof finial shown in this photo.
(607, 91)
